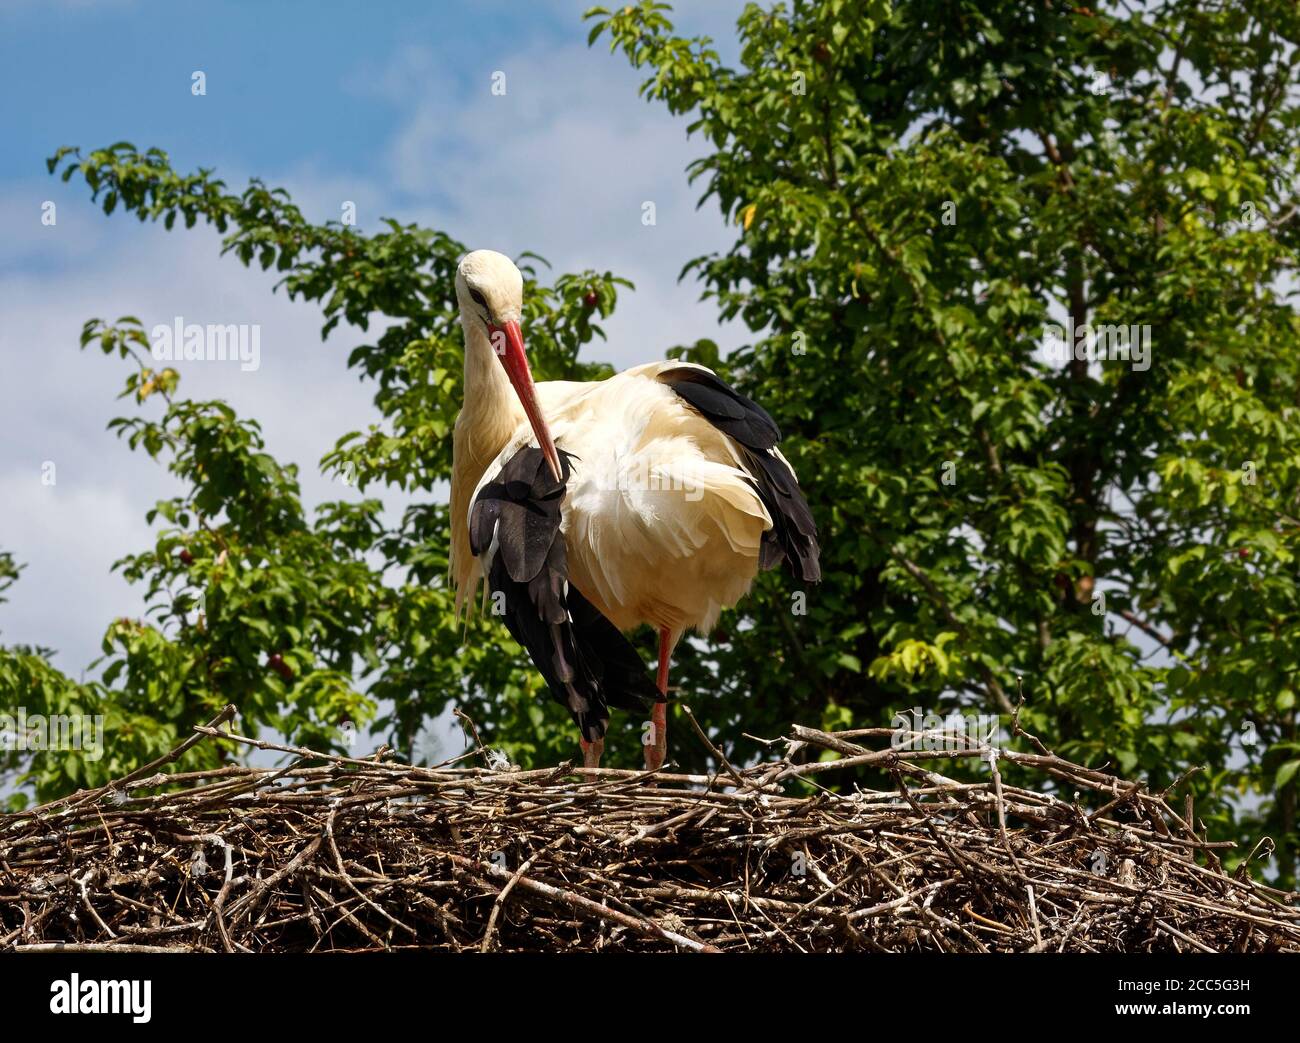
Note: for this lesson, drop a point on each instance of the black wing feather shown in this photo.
(726, 409)
(587, 663)
(793, 536)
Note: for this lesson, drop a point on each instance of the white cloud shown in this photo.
(67, 533)
(56, 401)
(77, 231)
(562, 164)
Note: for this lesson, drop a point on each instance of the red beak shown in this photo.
(515, 361)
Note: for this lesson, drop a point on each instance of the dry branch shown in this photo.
(339, 853)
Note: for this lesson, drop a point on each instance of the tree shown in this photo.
(919, 190)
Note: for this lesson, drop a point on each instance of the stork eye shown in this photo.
(477, 297)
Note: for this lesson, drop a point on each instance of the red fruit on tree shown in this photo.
(276, 662)
(590, 300)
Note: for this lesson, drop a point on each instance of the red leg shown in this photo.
(591, 752)
(656, 752)
(666, 644)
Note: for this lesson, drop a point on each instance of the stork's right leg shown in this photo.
(591, 752)
(658, 750)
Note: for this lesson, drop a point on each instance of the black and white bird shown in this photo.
(591, 508)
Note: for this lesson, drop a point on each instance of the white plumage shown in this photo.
(662, 518)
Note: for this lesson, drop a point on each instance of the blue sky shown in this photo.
(289, 78)
(387, 105)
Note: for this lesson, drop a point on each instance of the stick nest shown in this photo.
(335, 853)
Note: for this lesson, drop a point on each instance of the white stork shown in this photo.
(592, 507)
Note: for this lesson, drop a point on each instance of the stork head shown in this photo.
(490, 292)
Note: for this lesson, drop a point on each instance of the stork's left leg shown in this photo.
(591, 752)
(656, 752)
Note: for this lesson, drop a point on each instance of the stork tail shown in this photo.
(793, 536)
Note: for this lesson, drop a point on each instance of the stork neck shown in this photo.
(486, 384)
(491, 406)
